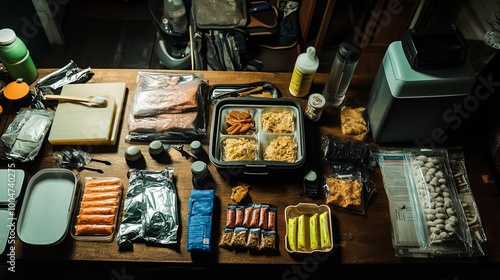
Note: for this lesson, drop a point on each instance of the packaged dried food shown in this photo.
(199, 236)
(314, 240)
(226, 238)
(240, 237)
(300, 236)
(253, 241)
(263, 216)
(240, 216)
(465, 194)
(301, 232)
(349, 191)
(440, 218)
(231, 216)
(168, 107)
(267, 240)
(292, 233)
(324, 230)
(347, 155)
(23, 138)
(150, 209)
(354, 120)
(271, 218)
(247, 219)
(256, 220)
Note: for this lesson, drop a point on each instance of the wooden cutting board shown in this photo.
(76, 124)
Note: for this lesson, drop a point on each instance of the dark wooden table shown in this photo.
(357, 239)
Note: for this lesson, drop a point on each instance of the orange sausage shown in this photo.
(99, 203)
(94, 229)
(98, 189)
(99, 196)
(96, 219)
(98, 210)
(102, 182)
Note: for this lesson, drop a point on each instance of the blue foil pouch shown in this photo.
(201, 205)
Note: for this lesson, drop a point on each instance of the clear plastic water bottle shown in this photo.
(343, 67)
(16, 58)
(176, 16)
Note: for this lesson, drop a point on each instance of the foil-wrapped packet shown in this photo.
(53, 83)
(151, 210)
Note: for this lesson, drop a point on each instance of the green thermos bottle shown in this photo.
(16, 58)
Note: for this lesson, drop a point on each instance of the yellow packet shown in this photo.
(313, 231)
(324, 231)
(301, 232)
(292, 233)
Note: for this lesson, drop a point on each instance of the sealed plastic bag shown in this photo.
(343, 154)
(440, 217)
(350, 191)
(425, 222)
(201, 204)
(23, 138)
(168, 107)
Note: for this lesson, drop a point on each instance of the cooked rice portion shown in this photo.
(239, 149)
(278, 121)
(282, 148)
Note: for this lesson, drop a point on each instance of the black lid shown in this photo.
(349, 51)
(435, 48)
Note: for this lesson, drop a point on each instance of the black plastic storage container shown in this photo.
(271, 140)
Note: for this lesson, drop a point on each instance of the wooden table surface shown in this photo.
(357, 239)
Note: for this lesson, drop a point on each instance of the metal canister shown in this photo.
(315, 105)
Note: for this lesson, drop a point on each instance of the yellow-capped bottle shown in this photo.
(303, 73)
(16, 58)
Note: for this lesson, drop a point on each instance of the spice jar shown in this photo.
(201, 176)
(315, 105)
(134, 157)
(196, 149)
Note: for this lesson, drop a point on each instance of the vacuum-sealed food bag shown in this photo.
(150, 209)
(440, 219)
(167, 107)
(24, 136)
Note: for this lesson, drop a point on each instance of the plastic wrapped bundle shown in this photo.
(151, 210)
(167, 107)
